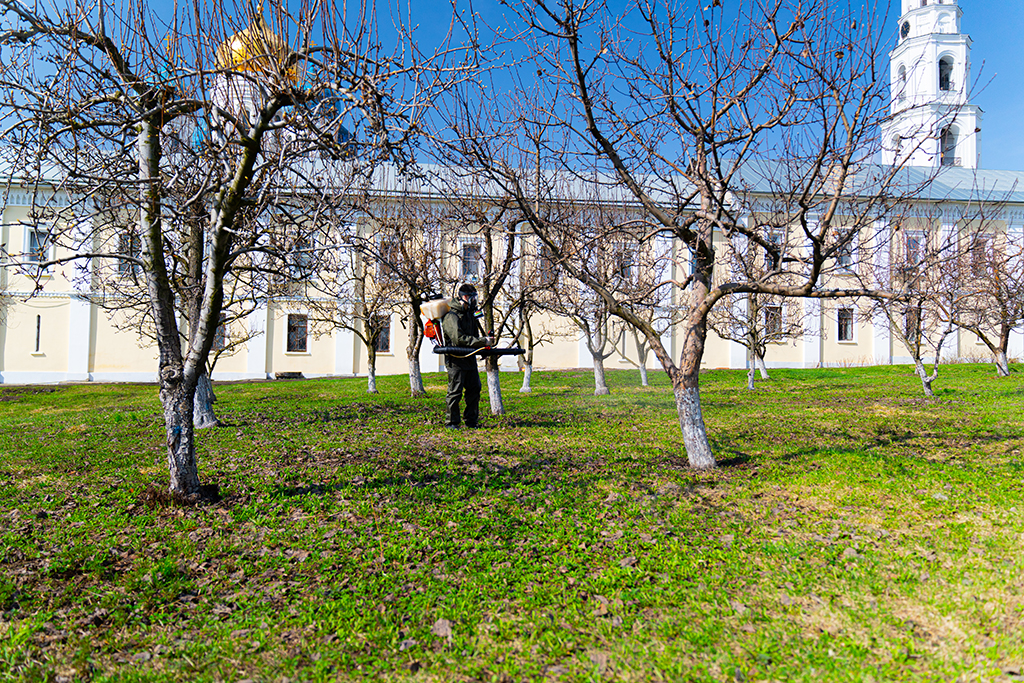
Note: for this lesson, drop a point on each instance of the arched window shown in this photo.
(946, 73)
(947, 146)
(902, 93)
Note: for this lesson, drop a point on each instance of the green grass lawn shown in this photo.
(854, 531)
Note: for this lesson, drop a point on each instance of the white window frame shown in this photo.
(31, 257)
(133, 242)
(624, 255)
(909, 313)
(781, 318)
(547, 267)
(301, 258)
(387, 318)
(853, 325)
(848, 252)
(776, 236)
(983, 244)
(949, 143)
(922, 243)
(287, 333)
(384, 272)
(221, 336)
(463, 243)
(950, 83)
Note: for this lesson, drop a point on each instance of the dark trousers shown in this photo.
(463, 381)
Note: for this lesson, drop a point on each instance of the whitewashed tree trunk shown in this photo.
(600, 387)
(494, 385)
(415, 378)
(1002, 365)
(926, 379)
(761, 367)
(642, 351)
(527, 374)
(691, 422)
(202, 415)
(371, 379)
(413, 354)
(750, 378)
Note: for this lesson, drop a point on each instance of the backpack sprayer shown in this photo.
(437, 309)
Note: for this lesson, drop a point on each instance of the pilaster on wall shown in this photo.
(428, 359)
(584, 359)
(882, 339)
(667, 342)
(80, 338)
(1015, 235)
(1015, 348)
(812, 332)
(257, 346)
(344, 351)
(739, 355)
(81, 318)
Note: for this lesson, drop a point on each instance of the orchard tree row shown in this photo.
(678, 167)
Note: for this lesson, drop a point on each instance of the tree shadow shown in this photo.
(738, 460)
(478, 476)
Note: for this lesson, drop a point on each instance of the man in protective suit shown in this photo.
(460, 328)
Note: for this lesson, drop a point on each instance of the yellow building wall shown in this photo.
(857, 352)
(20, 342)
(317, 359)
(121, 350)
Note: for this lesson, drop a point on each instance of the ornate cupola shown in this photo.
(256, 49)
(247, 64)
(931, 121)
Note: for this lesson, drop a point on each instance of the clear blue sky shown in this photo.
(995, 26)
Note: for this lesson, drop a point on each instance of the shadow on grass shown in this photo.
(562, 475)
(738, 460)
(539, 421)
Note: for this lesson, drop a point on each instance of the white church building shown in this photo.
(56, 332)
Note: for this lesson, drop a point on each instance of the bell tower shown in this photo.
(931, 121)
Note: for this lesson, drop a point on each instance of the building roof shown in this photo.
(917, 183)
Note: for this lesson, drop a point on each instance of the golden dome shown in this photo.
(257, 48)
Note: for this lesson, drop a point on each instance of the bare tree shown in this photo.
(100, 99)
(755, 321)
(117, 284)
(920, 273)
(407, 249)
(600, 234)
(482, 249)
(682, 108)
(644, 269)
(991, 274)
(534, 288)
(352, 291)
